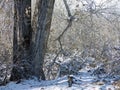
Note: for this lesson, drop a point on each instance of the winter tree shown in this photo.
(29, 45)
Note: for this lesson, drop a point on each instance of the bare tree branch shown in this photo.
(71, 18)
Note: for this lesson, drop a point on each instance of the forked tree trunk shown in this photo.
(28, 53)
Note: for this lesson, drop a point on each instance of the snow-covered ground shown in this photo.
(83, 81)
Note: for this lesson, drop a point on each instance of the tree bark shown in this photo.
(45, 10)
(21, 40)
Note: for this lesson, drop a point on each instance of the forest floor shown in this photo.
(83, 81)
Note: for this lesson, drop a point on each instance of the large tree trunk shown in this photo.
(28, 58)
(22, 40)
(45, 10)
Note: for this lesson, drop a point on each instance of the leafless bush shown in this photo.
(110, 64)
(5, 65)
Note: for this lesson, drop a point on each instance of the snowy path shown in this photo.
(85, 82)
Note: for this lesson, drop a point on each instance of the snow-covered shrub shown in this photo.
(99, 71)
(70, 67)
(114, 64)
(64, 64)
(111, 64)
(4, 73)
